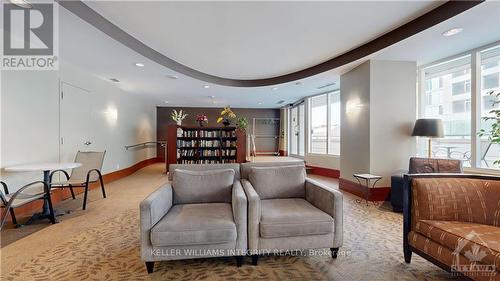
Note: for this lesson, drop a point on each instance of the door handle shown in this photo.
(87, 143)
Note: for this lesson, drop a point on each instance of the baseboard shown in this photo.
(326, 172)
(283, 153)
(376, 194)
(59, 195)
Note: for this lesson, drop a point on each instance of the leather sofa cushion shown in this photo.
(293, 217)
(195, 224)
(212, 186)
(279, 182)
(434, 165)
(464, 238)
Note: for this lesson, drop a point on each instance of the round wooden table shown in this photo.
(46, 168)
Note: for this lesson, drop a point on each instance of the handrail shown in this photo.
(143, 144)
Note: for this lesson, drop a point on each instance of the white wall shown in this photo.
(378, 104)
(30, 120)
(355, 121)
(393, 110)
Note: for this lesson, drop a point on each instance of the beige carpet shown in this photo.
(102, 244)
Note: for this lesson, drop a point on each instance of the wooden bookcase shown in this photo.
(205, 145)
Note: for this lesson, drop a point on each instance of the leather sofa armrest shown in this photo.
(254, 214)
(329, 201)
(239, 204)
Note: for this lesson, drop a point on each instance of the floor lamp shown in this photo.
(430, 128)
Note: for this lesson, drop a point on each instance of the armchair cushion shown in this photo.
(195, 224)
(214, 186)
(293, 217)
(279, 182)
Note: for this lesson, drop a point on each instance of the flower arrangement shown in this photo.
(178, 117)
(201, 119)
(225, 116)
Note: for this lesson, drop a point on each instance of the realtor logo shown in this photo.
(29, 37)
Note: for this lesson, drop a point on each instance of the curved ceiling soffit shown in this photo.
(431, 18)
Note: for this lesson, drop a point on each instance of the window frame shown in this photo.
(476, 101)
(328, 124)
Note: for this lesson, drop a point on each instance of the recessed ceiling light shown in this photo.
(114, 80)
(173, 76)
(22, 3)
(166, 101)
(260, 103)
(212, 97)
(452, 32)
(206, 86)
(138, 64)
(275, 88)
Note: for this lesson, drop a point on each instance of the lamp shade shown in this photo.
(430, 127)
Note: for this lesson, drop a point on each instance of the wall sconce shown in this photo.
(111, 115)
(353, 106)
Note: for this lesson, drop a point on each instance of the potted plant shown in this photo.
(178, 117)
(202, 120)
(493, 133)
(225, 116)
(242, 124)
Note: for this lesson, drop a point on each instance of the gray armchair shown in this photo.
(201, 213)
(287, 211)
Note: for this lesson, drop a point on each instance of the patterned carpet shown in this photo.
(372, 251)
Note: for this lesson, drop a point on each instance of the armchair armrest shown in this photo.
(152, 209)
(254, 213)
(329, 201)
(155, 206)
(239, 205)
(89, 173)
(57, 171)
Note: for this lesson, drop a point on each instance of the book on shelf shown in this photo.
(207, 145)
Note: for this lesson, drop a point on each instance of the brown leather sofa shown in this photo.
(454, 222)
(420, 165)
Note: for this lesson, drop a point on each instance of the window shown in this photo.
(452, 105)
(294, 130)
(334, 135)
(318, 124)
(302, 129)
(490, 81)
(324, 123)
(461, 87)
(490, 74)
(297, 129)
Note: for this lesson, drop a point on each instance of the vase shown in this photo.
(226, 123)
(179, 123)
(202, 123)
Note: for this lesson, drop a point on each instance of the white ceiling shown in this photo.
(312, 36)
(252, 40)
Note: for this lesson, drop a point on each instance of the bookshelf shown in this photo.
(205, 145)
